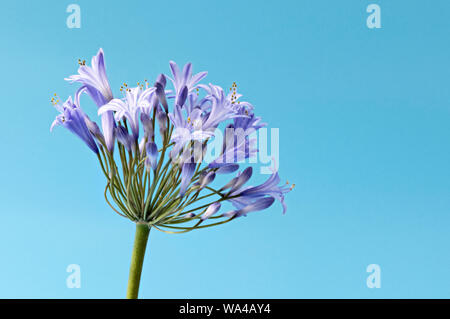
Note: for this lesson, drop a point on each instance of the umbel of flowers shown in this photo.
(151, 144)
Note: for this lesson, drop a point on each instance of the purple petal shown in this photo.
(182, 96)
(196, 78)
(175, 71)
(187, 71)
(108, 128)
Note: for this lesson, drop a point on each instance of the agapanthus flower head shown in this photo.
(162, 180)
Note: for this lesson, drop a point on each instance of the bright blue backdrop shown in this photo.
(364, 127)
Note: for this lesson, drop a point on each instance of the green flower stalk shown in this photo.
(164, 181)
(137, 259)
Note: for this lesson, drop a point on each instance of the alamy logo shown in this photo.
(374, 19)
(374, 279)
(74, 19)
(235, 146)
(74, 279)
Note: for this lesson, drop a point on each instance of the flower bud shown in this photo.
(189, 215)
(161, 79)
(161, 94)
(242, 179)
(211, 210)
(161, 117)
(207, 179)
(228, 168)
(148, 126)
(230, 213)
(152, 155)
(94, 129)
(142, 143)
(123, 137)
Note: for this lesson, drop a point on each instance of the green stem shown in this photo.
(137, 259)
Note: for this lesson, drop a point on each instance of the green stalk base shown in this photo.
(137, 260)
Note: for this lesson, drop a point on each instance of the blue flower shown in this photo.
(95, 83)
(222, 108)
(238, 145)
(182, 79)
(248, 122)
(166, 197)
(269, 188)
(186, 130)
(73, 118)
(94, 77)
(136, 100)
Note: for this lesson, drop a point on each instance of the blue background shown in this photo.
(364, 128)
